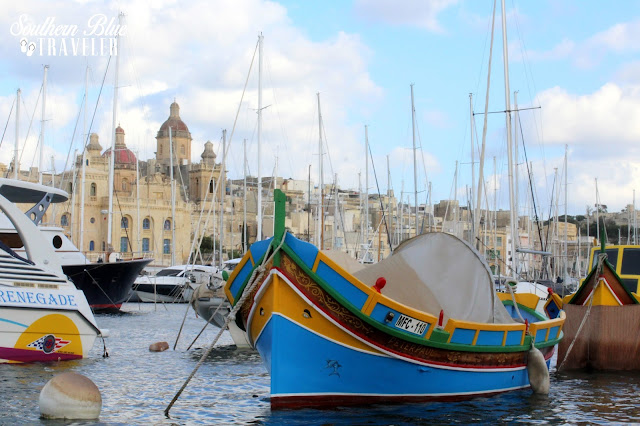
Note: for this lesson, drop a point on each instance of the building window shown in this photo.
(64, 220)
(167, 225)
(166, 246)
(92, 220)
(70, 191)
(125, 184)
(104, 246)
(93, 190)
(211, 186)
(160, 149)
(124, 223)
(145, 245)
(92, 245)
(182, 150)
(123, 244)
(146, 223)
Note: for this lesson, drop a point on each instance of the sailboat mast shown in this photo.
(415, 161)
(16, 166)
(597, 215)
(507, 97)
(320, 223)
(138, 218)
(85, 138)
(173, 202)
(366, 186)
(44, 103)
(244, 200)
(566, 201)
(259, 208)
(516, 201)
(222, 184)
(474, 221)
(112, 158)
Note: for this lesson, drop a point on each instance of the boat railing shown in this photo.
(105, 256)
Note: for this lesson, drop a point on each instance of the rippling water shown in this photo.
(232, 386)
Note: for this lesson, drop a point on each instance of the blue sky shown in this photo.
(576, 60)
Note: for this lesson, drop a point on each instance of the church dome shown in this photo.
(124, 156)
(175, 122)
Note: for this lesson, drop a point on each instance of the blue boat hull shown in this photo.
(306, 366)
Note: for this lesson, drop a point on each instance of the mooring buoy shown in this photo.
(158, 347)
(70, 396)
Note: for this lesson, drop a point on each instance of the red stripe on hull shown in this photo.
(27, 355)
(332, 401)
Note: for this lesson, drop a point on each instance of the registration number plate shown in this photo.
(411, 325)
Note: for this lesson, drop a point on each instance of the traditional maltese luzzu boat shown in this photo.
(43, 317)
(435, 331)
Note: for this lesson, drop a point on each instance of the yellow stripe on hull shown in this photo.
(290, 304)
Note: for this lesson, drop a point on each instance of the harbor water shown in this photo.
(232, 386)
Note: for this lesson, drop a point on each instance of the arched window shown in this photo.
(167, 225)
(125, 184)
(70, 191)
(211, 186)
(146, 223)
(124, 223)
(64, 220)
(94, 189)
(92, 245)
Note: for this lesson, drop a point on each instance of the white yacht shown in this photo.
(43, 316)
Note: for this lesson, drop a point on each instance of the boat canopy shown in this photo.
(438, 271)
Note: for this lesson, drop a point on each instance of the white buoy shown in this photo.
(70, 396)
(538, 372)
(105, 332)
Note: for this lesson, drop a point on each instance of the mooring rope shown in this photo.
(207, 322)
(601, 258)
(251, 284)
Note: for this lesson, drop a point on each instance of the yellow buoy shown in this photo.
(70, 396)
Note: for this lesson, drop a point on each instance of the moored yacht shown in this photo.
(43, 316)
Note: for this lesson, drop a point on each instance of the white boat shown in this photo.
(173, 284)
(211, 304)
(43, 316)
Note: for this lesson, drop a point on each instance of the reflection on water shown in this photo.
(232, 386)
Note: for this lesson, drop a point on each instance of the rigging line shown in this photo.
(533, 197)
(30, 123)
(8, 118)
(549, 221)
(384, 216)
(126, 229)
(73, 136)
(204, 202)
(275, 101)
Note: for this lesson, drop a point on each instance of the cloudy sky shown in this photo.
(575, 66)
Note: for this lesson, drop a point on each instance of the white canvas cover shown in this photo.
(438, 271)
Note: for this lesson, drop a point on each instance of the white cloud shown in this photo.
(607, 120)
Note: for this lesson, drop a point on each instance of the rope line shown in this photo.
(601, 258)
(252, 283)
